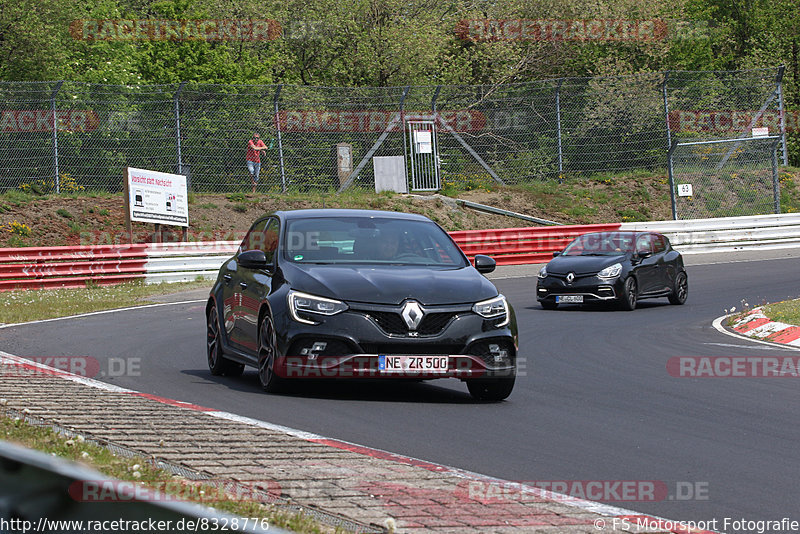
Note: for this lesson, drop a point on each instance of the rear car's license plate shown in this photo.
(412, 364)
(575, 299)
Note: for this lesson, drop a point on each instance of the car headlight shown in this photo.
(494, 308)
(612, 271)
(301, 304)
(543, 272)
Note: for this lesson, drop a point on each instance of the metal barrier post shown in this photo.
(666, 108)
(178, 127)
(280, 140)
(672, 148)
(558, 129)
(776, 189)
(782, 114)
(55, 135)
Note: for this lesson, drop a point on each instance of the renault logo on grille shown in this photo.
(570, 277)
(412, 314)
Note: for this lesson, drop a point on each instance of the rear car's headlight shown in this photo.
(612, 271)
(543, 272)
(302, 304)
(494, 308)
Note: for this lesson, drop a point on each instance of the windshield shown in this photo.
(369, 240)
(601, 244)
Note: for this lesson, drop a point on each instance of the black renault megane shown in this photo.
(359, 294)
(613, 266)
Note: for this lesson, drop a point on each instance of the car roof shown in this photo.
(326, 212)
(631, 233)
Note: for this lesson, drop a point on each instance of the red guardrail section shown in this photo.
(517, 246)
(50, 267)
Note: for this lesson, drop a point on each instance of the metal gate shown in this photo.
(724, 178)
(423, 156)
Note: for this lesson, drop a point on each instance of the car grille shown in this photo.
(393, 323)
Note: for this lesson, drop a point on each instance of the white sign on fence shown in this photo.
(157, 197)
(423, 141)
(684, 190)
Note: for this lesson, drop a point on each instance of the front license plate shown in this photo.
(575, 299)
(412, 364)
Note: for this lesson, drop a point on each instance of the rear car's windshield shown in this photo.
(369, 240)
(601, 244)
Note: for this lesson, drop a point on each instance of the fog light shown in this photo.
(499, 355)
(315, 350)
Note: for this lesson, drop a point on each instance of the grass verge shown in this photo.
(35, 305)
(161, 482)
(785, 312)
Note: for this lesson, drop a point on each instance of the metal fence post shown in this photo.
(55, 135)
(666, 108)
(406, 89)
(776, 188)
(558, 130)
(178, 128)
(435, 98)
(782, 114)
(280, 140)
(672, 148)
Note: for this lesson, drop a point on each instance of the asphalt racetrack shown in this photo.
(594, 401)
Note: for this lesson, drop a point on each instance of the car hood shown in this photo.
(582, 264)
(390, 284)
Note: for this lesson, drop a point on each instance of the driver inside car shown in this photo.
(388, 245)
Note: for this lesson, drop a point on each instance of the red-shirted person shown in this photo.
(254, 148)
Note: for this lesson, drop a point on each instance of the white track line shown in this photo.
(89, 314)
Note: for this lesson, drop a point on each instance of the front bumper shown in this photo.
(350, 344)
(592, 288)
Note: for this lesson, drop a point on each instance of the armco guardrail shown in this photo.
(517, 246)
(42, 493)
(728, 234)
(176, 262)
(47, 267)
(180, 262)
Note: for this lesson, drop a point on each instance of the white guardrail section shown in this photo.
(727, 234)
(183, 262)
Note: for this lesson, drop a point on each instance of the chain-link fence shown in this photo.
(67, 136)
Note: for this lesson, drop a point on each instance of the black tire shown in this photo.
(218, 364)
(549, 304)
(491, 389)
(629, 295)
(681, 290)
(267, 350)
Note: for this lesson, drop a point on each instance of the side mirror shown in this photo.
(484, 264)
(556, 253)
(253, 259)
(644, 254)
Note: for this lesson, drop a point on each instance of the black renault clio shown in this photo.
(359, 294)
(619, 266)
